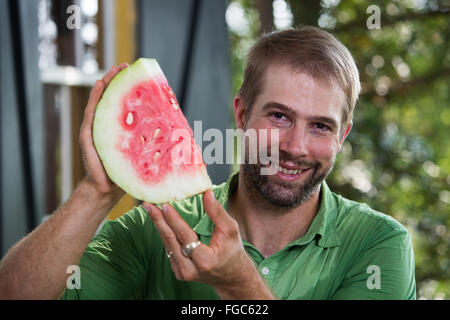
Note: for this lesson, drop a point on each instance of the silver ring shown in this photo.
(169, 254)
(189, 248)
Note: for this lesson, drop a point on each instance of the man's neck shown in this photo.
(270, 229)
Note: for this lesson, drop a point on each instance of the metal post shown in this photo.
(188, 54)
(15, 25)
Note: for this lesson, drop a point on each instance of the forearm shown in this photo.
(35, 268)
(254, 289)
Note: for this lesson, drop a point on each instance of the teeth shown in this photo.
(287, 171)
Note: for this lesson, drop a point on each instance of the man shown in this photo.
(280, 236)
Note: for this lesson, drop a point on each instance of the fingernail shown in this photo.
(147, 207)
(210, 194)
(164, 207)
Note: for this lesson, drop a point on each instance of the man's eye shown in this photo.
(278, 115)
(321, 126)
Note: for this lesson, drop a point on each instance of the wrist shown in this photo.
(89, 190)
(247, 284)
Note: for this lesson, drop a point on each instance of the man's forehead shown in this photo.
(306, 79)
(300, 88)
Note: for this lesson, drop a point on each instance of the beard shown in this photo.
(270, 190)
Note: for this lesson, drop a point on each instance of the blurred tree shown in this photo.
(305, 12)
(265, 11)
(397, 157)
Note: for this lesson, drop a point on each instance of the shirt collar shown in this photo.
(323, 225)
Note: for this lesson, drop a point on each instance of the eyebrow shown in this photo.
(330, 122)
(275, 105)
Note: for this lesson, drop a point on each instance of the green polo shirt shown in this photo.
(349, 252)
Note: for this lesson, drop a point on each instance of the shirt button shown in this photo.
(265, 271)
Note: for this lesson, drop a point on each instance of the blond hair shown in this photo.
(307, 49)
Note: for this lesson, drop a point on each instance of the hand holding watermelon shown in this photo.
(142, 137)
(223, 264)
(95, 173)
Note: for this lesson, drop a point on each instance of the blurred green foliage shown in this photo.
(397, 157)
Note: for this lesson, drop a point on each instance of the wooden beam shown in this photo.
(125, 21)
(125, 13)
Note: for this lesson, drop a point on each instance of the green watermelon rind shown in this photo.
(177, 185)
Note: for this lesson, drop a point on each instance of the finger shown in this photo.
(182, 230)
(182, 266)
(202, 256)
(94, 97)
(216, 211)
(97, 91)
(96, 94)
(123, 66)
(110, 75)
(168, 237)
(166, 233)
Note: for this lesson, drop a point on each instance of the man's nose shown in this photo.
(294, 141)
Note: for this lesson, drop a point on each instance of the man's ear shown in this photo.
(345, 134)
(239, 112)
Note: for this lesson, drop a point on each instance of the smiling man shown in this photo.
(279, 236)
(307, 114)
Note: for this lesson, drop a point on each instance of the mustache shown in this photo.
(286, 157)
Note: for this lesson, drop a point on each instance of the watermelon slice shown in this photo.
(143, 139)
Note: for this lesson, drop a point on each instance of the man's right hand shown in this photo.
(95, 172)
(35, 268)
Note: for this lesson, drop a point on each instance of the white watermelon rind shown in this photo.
(176, 185)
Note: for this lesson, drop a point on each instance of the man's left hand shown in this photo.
(223, 264)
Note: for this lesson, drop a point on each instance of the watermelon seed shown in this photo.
(174, 103)
(156, 132)
(129, 118)
(156, 156)
(143, 139)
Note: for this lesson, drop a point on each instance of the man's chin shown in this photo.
(286, 194)
(277, 192)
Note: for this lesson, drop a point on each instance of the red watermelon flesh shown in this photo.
(137, 130)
